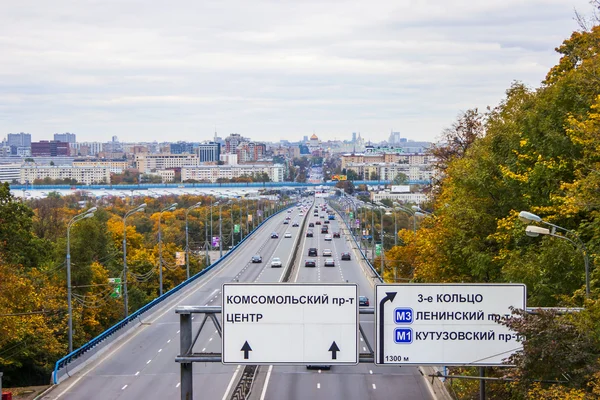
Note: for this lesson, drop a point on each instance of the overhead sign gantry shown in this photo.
(290, 324)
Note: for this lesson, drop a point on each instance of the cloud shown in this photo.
(270, 70)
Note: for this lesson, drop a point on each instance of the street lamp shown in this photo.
(534, 231)
(139, 208)
(160, 268)
(420, 212)
(187, 246)
(86, 214)
(410, 212)
(221, 230)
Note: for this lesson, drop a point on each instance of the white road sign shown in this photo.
(290, 323)
(445, 324)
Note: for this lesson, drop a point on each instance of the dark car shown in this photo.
(336, 235)
(295, 224)
(326, 221)
(323, 367)
(274, 235)
(318, 223)
(363, 301)
(309, 233)
(324, 230)
(313, 252)
(310, 263)
(311, 225)
(346, 257)
(256, 259)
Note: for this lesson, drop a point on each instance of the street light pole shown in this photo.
(187, 245)
(220, 231)
(86, 214)
(382, 247)
(534, 231)
(160, 268)
(139, 208)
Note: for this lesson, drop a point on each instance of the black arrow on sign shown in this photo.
(334, 349)
(246, 348)
(388, 296)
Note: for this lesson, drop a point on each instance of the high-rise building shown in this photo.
(19, 139)
(353, 137)
(209, 152)
(181, 148)
(45, 148)
(232, 142)
(305, 139)
(394, 138)
(65, 137)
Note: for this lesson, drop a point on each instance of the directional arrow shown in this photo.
(246, 348)
(334, 349)
(388, 296)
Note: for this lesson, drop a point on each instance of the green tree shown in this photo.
(400, 179)
(18, 244)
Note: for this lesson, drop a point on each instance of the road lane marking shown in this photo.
(123, 388)
(203, 349)
(169, 341)
(148, 362)
(137, 373)
(318, 386)
(374, 387)
(159, 350)
(264, 391)
(226, 395)
(178, 383)
(371, 371)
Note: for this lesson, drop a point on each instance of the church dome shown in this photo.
(314, 137)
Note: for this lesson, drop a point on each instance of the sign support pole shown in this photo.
(187, 386)
(482, 383)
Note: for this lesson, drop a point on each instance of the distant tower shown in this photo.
(353, 137)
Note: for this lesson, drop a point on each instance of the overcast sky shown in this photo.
(147, 70)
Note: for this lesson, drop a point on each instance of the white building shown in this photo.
(84, 175)
(10, 172)
(388, 171)
(212, 173)
(146, 163)
(416, 198)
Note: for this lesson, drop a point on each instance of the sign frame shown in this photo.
(324, 286)
(392, 310)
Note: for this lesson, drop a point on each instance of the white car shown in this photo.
(288, 235)
(328, 238)
(326, 253)
(276, 262)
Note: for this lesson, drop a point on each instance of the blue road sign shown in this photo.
(403, 335)
(403, 315)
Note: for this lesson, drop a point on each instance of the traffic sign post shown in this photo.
(117, 288)
(282, 323)
(445, 324)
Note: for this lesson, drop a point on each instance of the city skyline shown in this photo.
(137, 69)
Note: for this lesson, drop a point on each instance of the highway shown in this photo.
(364, 381)
(142, 366)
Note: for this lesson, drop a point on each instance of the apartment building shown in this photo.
(115, 166)
(85, 175)
(146, 163)
(212, 173)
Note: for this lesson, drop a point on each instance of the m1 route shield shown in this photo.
(289, 323)
(445, 324)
